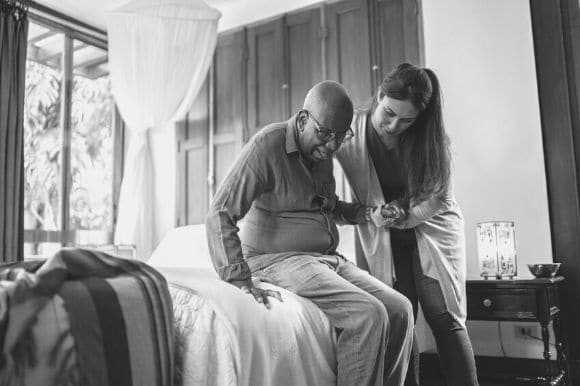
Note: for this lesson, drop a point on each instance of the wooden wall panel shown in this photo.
(227, 155)
(229, 83)
(192, 162)
(265, 75)
(395, 35)
(303, 57)
(229, 80)
(197, 193)
(388, 32)
(348, 48)
(413, 32)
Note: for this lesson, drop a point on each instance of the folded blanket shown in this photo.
(85, 318)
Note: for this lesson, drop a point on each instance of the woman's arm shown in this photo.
(424, 210)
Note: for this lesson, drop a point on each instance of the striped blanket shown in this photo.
(85, 318)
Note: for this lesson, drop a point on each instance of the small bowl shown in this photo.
(544, 270)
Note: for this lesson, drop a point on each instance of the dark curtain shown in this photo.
(13, 42)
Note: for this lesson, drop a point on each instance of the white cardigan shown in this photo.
(438, 225)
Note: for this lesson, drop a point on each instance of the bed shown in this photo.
(225, 337)
(82, 317)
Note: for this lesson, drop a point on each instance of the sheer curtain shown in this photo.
(159, 55)
(13, 43)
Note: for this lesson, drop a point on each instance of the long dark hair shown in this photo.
(424, 146)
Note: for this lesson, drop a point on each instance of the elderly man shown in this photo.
(283, 186)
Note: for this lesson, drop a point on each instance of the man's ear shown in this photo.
(302, 119)
(380, 96)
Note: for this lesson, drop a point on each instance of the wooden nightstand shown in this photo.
(523, 300)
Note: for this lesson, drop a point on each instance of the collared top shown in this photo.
(287, 206)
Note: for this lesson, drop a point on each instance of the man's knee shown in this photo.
(373, 311)
(400, 309)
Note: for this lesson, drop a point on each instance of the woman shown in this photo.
(400, 156)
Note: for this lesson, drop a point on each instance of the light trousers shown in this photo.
(374, 322)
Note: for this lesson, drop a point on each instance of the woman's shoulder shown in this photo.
(359, 115)
(351, 147)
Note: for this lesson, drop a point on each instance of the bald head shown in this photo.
(330, 104)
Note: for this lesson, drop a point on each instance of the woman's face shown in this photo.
(393, 116)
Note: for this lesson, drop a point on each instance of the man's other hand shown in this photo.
(261, 295)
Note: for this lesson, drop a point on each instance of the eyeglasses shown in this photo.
(328, 135)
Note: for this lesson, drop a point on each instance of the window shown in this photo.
(71, 141)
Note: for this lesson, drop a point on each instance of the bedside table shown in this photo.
(523, 300)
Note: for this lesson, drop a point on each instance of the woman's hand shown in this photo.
(394, 210)
(375, 215)
(393, 213)
(386, 215)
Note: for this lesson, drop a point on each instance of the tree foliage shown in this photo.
(91, 150)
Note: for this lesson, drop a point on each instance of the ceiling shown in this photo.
(46, 44)
(95, 12)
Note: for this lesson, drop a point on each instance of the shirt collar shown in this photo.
(291, 137)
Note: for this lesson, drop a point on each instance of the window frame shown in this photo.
(76, 30)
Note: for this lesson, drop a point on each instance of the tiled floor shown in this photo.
(482, 383)
(490, 369)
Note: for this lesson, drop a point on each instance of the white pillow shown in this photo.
(183, 247)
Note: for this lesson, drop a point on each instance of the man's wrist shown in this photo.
(235, 271)
(242, 283)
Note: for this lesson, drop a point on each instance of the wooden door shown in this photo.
(302, 35)
(265, 75)
(348, 48)
(192, 162)
(395, 35)
(229, 80)
(556, 32)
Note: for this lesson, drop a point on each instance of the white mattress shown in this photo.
(226, 338)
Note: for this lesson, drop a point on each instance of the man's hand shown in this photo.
(386, 215)
(394, 212)
(261, 295)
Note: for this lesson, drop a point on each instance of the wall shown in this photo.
(483, 54)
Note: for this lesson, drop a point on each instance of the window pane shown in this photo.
(40, 250)
(43, 129)
(91, 195)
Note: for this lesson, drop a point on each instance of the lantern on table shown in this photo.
(496, 249)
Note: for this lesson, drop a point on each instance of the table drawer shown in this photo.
(491, 304)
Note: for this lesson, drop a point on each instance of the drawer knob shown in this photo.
(487, 303)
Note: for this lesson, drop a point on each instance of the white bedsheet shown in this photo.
(227, 338)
